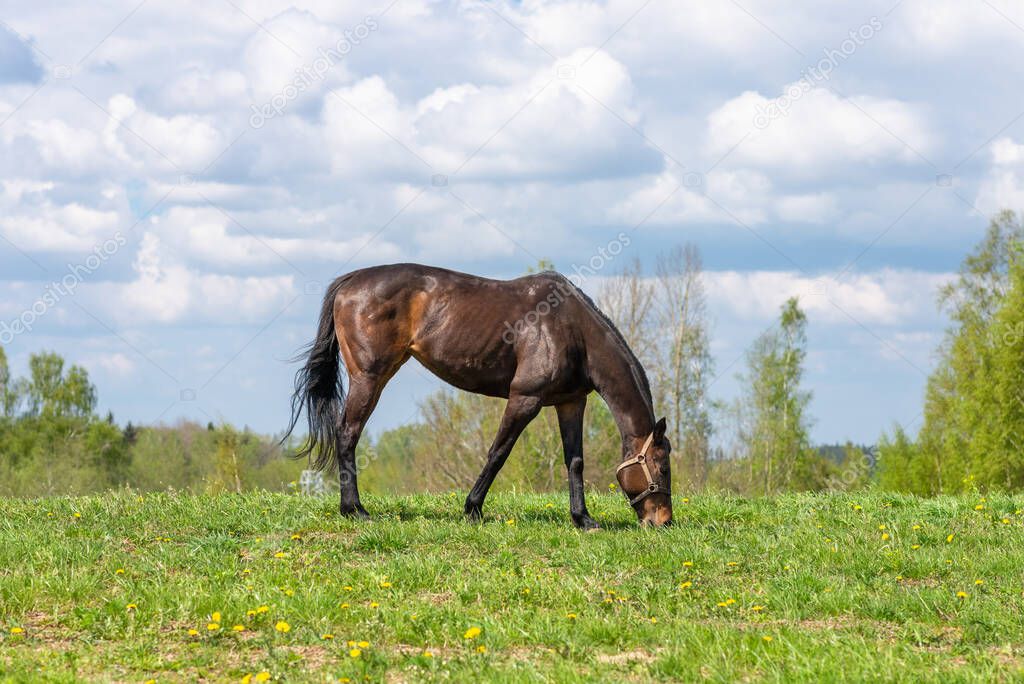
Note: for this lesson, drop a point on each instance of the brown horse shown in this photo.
(537, 341)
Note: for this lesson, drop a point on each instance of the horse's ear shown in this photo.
(659, 428)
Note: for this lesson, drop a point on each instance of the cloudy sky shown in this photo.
(179, 181)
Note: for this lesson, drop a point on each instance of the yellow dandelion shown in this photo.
(280, 554)
(961, 594)
(686, 585)
(915, 546)
(732, 564)
(686, 500)
(351, 644)
(881, 527)
(979, 507)
(247, 679)
(212, 627)
(296, 536)
(385, 585)
(885, 536)
(193, 632)
(481, 649)
(347, 588)
(246, 571)
(611, 486)
(374, 604)
(571, 616)
(916, 527)
(549, 505)
(262, 609)
(215, 616)
(76, 514)
(428, 654)
(238, 628)
(471, 633)
(250, 613)
(131, 607)
(979, 582)
(1005, 521)
(858, 507)
(766, 637)
(526, 590)
(654, 620)
(119, 571)
(355, 653)
(344, 606)
(757, 609)
(283, 627)
(17, 630)
(289, 592)
(326, 637)
(687, 564)
(262, 676)
(950, 538)
(722, 604)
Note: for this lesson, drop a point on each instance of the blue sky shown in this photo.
(192, 174)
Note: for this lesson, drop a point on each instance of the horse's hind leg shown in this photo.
(570, 423)
(363, 392)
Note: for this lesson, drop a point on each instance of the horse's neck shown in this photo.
(617, 383)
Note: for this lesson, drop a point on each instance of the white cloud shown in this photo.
(819, 131)
(211, 237)
(887, 297)
(544, 126)
(189, 142)
(1003, 186)
(32, 220)
(168, 292)
(116, 364)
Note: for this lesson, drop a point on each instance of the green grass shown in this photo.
(837, 601)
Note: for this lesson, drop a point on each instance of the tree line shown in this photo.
(972, 434)
(53, 442)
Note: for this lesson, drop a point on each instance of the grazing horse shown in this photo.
(536, 341)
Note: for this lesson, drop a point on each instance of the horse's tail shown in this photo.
(319, 390)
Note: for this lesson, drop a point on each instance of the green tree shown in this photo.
(6, 391)
(775, 437)
(51, 392)
(972, 397)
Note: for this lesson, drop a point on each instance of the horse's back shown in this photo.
(472, 332)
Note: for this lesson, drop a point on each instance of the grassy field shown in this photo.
(172, 587)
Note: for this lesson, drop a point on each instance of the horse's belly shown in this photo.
(471, 365)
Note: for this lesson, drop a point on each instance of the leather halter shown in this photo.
(641, 460)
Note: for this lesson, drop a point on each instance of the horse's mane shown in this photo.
(639, 374)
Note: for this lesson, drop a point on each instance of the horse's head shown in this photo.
(645, 477)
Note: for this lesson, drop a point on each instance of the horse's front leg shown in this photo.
(570, 423)
(519, 411)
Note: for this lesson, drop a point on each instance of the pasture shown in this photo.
(258, 586)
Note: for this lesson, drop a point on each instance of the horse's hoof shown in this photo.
(587, 524)
(356, 514)
(474, 514)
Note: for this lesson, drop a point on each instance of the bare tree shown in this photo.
(684, 361)
(628, 299)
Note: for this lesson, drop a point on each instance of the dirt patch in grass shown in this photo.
(437, 598)
(625, 657)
